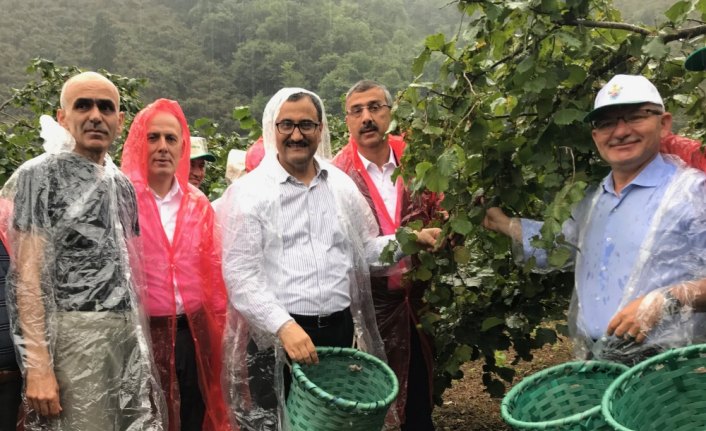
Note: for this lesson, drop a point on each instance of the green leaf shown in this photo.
(435, 42)
(420, 61)
(656, 48)
(461, 224)
(568, 116)
(491, 322)
(679, 11)
(435, 181)
(422, 273)
(408, 241)
(559, 256)
(241, 112)
(422, 168)
(461, 255)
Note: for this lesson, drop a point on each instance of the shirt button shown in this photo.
(603, 268)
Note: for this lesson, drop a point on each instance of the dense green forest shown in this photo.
(212, 55)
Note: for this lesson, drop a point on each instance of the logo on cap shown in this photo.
(614, 91)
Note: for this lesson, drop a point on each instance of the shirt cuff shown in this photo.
(275, 322)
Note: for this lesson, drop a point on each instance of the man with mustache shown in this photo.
(370, 158)
(73, 285)
(185, 296)
(639, 239)
(299, 243)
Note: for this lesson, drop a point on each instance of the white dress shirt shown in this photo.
(291, 248)
(382, 178)
(168, 207)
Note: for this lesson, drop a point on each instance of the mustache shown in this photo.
(95, 128)
(293, 143)
(369, 127)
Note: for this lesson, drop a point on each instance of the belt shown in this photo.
(182, 322)
(321, 321)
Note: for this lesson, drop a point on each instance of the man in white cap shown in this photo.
(199, 156)
(639, 239)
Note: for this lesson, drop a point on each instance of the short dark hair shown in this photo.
(298, 96)
(367, 84)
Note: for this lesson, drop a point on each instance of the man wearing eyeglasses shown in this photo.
(639, 238)
(370, 159)
(299, 243)
(72, 289)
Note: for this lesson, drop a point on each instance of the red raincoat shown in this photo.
(397, 302)
(687, 149)
(192, 262)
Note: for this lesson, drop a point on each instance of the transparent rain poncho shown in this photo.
(75, 289)
(397, 301)
(671, 258)
(191, 263)
(252, 238)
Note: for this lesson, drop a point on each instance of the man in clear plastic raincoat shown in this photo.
(370, 158)
(299, 242)
(185, 295)
(639, 238)
(70, 220)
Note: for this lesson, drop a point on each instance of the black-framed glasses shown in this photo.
(373, 108)
(631, 118)
(305, 127)
(105, 106)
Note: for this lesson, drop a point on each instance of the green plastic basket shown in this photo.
(347, 390)
(566, 397)
(666, 392)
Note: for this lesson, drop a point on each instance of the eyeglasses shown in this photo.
(105, 106)
(373, 108)
(631, 118)
(287, 127)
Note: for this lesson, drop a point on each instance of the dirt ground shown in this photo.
(468, 408)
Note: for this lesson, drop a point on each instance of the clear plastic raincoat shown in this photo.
(672, 255)
(191, 263)
(397, 301)
(252, 245)
(75, 286)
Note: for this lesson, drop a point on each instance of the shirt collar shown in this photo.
(367, 163)
(651, 175)
(282, 176)
(173, 193)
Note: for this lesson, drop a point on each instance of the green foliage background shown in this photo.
(491, 108)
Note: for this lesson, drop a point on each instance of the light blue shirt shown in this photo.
(613, 235)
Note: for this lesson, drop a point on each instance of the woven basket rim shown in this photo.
(303, 380)
(547, 372)
(608, 395)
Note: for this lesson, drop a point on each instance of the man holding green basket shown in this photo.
(300, 242)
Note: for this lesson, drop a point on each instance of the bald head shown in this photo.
(90, 111)
(86, 77)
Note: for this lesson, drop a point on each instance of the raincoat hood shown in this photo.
(135, 158)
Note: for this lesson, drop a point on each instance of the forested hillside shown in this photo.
(212, 55)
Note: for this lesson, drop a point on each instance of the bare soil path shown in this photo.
(468, 408)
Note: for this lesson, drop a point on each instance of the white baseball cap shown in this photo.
(625, 90)
(199, 149)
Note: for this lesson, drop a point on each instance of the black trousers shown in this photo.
(261, 363)
(10, 398)
(192, 409)
(418, 408)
